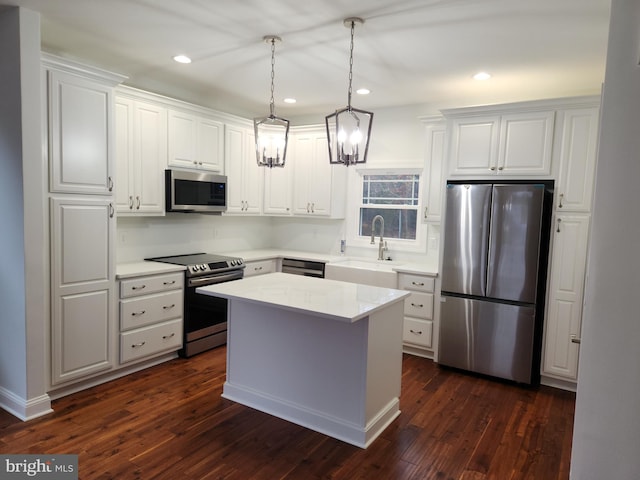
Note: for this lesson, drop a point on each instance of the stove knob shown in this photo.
(203, 267)
(233, 263)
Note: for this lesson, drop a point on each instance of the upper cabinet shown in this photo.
(244, 176)
(577, 153)
(141, 154)
(195, 141)
(79, 124)
(319, 188)
(500, 142)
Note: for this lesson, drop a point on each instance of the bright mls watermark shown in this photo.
(52, 467)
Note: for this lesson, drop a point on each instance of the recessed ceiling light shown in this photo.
(482, 76)
(290, 100)
(182, 59)
(363, 91)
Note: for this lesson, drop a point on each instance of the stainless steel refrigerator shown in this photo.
(495, 251)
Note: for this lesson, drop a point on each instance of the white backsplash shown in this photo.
(177, 233)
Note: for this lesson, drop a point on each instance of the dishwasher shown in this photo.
(307, 268)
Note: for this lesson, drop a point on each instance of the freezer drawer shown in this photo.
(486, 337)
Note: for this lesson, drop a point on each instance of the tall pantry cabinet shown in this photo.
(79, 126)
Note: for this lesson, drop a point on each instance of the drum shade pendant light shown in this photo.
(271, 132)
(349, 129)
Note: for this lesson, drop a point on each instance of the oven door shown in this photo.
(205, 317)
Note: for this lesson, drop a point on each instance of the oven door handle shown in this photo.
(210, 280)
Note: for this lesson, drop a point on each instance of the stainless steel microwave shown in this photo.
(195, 192)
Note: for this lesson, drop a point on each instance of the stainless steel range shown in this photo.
(205, 317)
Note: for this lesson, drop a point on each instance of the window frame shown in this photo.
(353, 220)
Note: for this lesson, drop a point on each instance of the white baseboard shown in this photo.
(24, 409)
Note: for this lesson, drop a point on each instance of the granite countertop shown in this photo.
(341, 301)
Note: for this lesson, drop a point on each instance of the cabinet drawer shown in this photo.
(150, 284)
(419, 305)
(150, 340)
(139, 311)
(419, 283)
(259, 268)
(417, 332)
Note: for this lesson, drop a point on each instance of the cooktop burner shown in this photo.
(202, 263)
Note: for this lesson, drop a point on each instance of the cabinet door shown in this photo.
(474, 145)
(244, 176)
(277, 190)
(124, 186)
(210, 153)
(565, 297)
(435, 149)
(526, 141)
(82, 285)
(182, 134)
(312, 185)
(79, 125)
(577, 159)
(150, 154)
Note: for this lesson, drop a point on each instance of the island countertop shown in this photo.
(341, 301)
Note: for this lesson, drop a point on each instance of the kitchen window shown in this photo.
(396, 198)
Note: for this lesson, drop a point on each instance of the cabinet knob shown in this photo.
(492, 168)
(500, 168)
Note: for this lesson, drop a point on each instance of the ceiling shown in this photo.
(408, 52)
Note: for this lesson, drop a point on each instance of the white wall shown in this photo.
(606, 438)
(23, 243)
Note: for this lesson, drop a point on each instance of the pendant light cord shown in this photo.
(353, 24)
(272, 107)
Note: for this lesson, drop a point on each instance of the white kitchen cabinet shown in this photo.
(435, 130)
(577, 152)
(489, 142)
(141, 156)
(565, 296)
(277, 190)
(151, 315)
(260, 267)
(79, 122)
(418, 330)
(244, 177)
(195, 141)
(319, 188)
(82, 286)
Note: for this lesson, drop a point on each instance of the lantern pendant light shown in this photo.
(349, 129)
(271, 132)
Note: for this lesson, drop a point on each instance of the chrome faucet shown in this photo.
(382, 246)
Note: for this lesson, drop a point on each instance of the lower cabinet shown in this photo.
(564, 298)
(151, 315)
(260, 267)
(417, 335)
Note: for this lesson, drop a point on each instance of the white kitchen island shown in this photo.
(320, 353)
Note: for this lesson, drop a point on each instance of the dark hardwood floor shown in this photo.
(169, 422)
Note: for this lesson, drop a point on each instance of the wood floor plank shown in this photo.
(170, 422)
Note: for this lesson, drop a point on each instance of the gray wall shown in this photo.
(606, 439)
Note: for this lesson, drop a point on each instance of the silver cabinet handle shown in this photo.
(137, 314)
(416, 332)
(418, 284)
(137, 202)
(137, 345)
(425, 211)
(257, 269)
(417, 305)
(575, 339)
(313, 207)
(558, 227)
(500, 168)
(561, 198)
(492, 168)
(110, 184)
(112, 210)
(167, 307)
(138, 288)
(172, 282)
(130, 202)
(165, 337)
